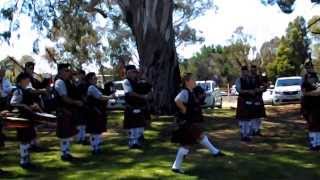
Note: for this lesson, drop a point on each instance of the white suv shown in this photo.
(287, 90)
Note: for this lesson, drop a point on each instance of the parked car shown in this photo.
(214, 98)
(118, 102)
(267, 96)
(287, 90)
(233, 91)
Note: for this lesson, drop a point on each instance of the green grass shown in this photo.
(281, 154)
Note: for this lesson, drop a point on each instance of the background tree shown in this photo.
(148, 22)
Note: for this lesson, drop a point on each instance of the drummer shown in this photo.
(22, 99)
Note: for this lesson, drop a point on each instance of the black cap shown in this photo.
(130, 67)
(63, 66)
(28, 64)
(244, 68)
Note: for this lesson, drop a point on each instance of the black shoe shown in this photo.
(179, 171)
(219, 154)
(316, 149)
(246, 139)
(135, 146)
(36, 148)
(69, 158)
(4, 173)
(96, 152)
(2, 145)
(28, 166)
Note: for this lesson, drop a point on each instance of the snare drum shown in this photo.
(16, 123)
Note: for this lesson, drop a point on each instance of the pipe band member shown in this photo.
(66, 109)
(259, 109)
(310, 104)
(246, 87)
(5, 93)
(22, 100)
(97, 123)
(136, 105)
(189, 118)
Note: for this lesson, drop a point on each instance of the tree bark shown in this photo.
(152, 27)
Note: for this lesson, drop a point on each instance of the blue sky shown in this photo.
(262, 22)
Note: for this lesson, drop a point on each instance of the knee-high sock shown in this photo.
(256, 124)
(206, 143)
(179, 157)
(95, 142)
(317, 138)
(132, 135)
(81, 136)
(241, 126)
(24, 153)
(65, 146)
(313, 139)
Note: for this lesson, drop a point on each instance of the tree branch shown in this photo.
(313, 23)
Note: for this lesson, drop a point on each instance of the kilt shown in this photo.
(259, 110)
(310, 108)
(66, 124)
(81, 116)
(97, 123)
(134, 117)
(245, 109)
(187, 134)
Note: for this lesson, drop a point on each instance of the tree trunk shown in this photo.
(151, 25)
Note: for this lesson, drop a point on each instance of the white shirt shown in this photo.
(5, 88)
(94, 92)
(127, 86)
(60, 87)
(183, 96)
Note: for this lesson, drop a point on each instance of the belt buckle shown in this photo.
(136, 111)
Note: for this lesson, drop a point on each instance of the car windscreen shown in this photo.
(118, 86)
(205, 86)
(288, 82)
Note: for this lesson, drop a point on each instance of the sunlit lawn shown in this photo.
(281, 154)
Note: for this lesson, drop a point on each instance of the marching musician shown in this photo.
(66, 109)
(189, 118)
(22, 99)
(97, 102)
(311, 104)
(135, 117)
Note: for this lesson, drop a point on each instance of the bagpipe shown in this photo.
(141, 87)
(13, 119)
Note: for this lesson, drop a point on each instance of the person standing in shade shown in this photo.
(259, 110)
(310, 104)
(5, 91)
(246, 87)
(189, 118)
(66, 109)
(136, 102)
(97, 102)
(23, 101)
(81, 89)
(36, 89)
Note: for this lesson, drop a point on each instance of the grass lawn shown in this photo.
(281, 154)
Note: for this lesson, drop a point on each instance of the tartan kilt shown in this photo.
(313, 120)
(134, 119)
(259, 110)
(66, 124)
(187, 134)
(245, 111)
(97, 123)
(81, 116)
